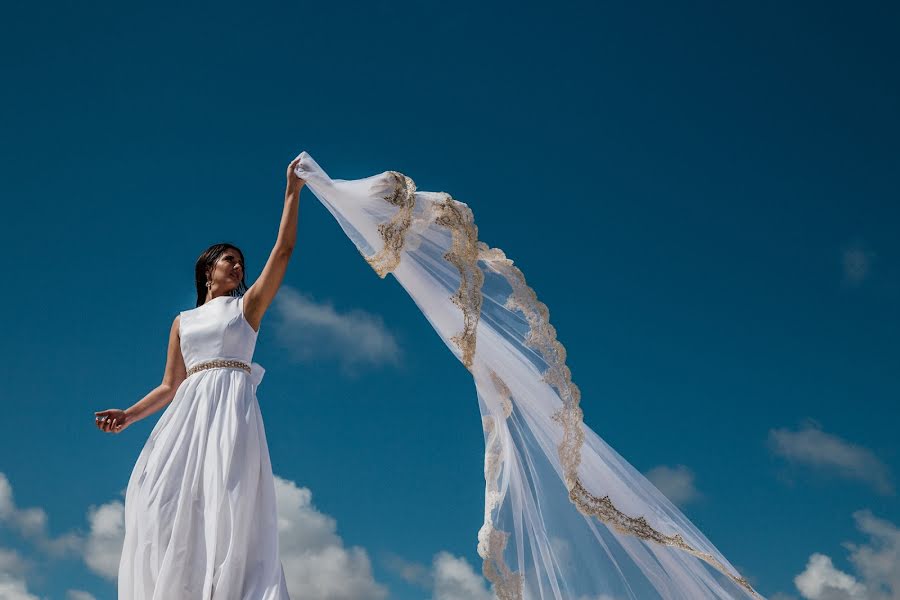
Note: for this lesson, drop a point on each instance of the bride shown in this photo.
(200, 512)
(566, 517)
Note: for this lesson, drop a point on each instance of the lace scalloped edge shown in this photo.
(465, 253)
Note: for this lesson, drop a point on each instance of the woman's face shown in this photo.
(227, 271)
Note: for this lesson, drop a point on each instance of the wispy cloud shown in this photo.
(31, 524)
(677, 483)
(876, 564)
(811, 447)
(13, 583)
(410, 572)
(11, 562)
(856, 264)
(315, 331)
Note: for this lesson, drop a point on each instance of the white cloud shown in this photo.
(79, 595)
(312, 331)
(677, 483)
(11, 563)
(104, 543)
(856, 264)
(32, 524)
(822, 581)
(562, 552)
(12, 575)
(878, 563)
(449, 577)
(812, 447)
(410, 572)
(317, 566)
(454, 579)
(13, 588)
(877, 566)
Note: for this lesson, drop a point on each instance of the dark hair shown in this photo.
(207, 260)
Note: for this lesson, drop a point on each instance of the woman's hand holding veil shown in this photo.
(294, 183)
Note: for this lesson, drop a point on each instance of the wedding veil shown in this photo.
(565, 517)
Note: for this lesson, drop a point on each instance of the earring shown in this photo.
(208, 283)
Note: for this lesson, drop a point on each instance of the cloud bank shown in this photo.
(876, 564)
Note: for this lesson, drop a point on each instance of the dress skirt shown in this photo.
(201, 521)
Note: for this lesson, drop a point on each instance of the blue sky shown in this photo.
(705, 196)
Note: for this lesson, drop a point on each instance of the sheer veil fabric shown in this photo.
(565, 516)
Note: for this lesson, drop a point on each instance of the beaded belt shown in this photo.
(218, 363)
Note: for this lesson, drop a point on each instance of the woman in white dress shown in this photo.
(200, 513)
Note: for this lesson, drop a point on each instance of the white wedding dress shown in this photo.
(200, 515)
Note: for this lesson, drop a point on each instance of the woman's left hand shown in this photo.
(112, 420)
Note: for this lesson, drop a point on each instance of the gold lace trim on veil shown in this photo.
(465, 253)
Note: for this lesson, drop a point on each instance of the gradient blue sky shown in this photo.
(705, 196)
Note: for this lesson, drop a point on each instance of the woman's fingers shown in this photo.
(104, 420)
(293, 166)
(110, 420)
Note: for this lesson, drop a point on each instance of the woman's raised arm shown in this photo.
(260, 295)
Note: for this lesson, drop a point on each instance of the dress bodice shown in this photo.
(218, 329)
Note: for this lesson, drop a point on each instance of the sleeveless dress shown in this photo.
(201, 521)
